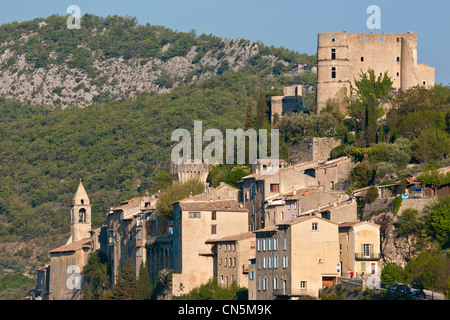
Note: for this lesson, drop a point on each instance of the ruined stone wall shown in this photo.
(312, 149)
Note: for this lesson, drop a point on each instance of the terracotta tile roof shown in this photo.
(220, 205)
(74, 246)
(233, 237)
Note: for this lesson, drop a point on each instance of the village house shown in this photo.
(359, 249)
(127, 234)
(293, 259)
(232, 258)
(257, 187)
(197, 222)
(310, 201)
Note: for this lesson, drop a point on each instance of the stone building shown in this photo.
(360, 248)
(343, 56)
(310, 201)
(186, 171)
(195, 225)
(232, 258)
(62, 279)
(254, 189)
(127, 233)
(295, 258)
(290, 102)
(312, 149)
(158, 245)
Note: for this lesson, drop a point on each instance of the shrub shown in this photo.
(372, 194)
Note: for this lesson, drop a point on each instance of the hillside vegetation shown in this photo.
(44, 62)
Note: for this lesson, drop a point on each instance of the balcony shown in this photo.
(367, 257)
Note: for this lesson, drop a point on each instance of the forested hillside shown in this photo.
(44, 62)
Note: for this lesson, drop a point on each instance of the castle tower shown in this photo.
(80, 216)
(341, 57)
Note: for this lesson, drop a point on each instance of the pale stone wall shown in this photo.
(314, 254)
(62, 275)
(344, 212)
(352, 53)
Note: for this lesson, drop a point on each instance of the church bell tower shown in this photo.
(80, 215)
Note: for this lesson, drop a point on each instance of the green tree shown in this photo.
(392, 273)
(249, 120)
(365, 108)
(125, 288)
(212, 291)
(177, 191)
(428, 270)
(96, 274)
(431, 144)
(143, 287)
(163, 180)
(438, 222)
(261, 110)
(362, 175)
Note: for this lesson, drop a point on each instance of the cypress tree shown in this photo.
(249, 120)
(261, 105)
(143, 288)
(125, 288)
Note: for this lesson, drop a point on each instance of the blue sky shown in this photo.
(293, 24)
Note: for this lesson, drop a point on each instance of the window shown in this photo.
(302, 284)
(398, 74)
(213, 229)
(251, 275)
(398, 58)
(258, 245)
(381, 40)
(274, 187)
(213, 215)
(259, 284)
(285, 262)
(362, 59)
(398, 39)
(284, 243)
(366, 250)
(264, 244)
(363, 40)
(333, 38)
(264, 262)
(424, 82)
(333, 72)
(275, 244)
(333, 54)
(195, 215)
(275, 283)
(275, 262)
(139, 252)
(315, 226)
(139, 235)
